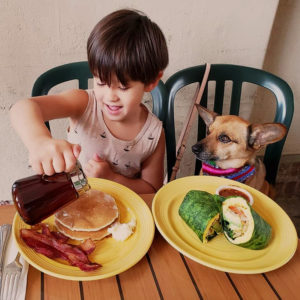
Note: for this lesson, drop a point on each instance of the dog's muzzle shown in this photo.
(197, 149)
(201, 153)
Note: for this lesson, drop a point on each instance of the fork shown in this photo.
(5, 231)
(10, 279)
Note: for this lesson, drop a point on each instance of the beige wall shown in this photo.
(282, 59)
(37, 35)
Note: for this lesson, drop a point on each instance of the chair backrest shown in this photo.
(220, 73)
(80, 71)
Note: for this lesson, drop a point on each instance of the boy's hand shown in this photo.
(49, 156)
(98, 168)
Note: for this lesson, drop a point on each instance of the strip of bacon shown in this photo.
(88, 246)
(55, 246)
(60, 237)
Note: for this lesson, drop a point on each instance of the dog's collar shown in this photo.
(237, 174)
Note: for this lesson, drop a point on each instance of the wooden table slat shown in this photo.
(137, 280)
(33, 291)
(7, 214)
(286, 280)
(172, 275)
(105, 289)
(254, 285)
(212, 284)
(55, 288)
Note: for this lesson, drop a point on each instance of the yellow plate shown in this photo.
(114, 256)
(219, 253)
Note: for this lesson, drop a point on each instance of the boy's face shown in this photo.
(118, 102)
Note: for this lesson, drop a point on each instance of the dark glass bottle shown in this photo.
(39, 196)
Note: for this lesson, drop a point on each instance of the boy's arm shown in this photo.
(46, 154)
(153, 167)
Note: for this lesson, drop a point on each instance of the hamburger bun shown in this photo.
(91, 213)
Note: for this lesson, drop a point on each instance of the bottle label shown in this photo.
(79, 179)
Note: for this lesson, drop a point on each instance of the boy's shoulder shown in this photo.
(153, 124)
(153, 117)
(77, 100)
(75, 94)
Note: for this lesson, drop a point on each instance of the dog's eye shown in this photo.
(224, 138)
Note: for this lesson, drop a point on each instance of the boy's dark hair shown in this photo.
(128, 44)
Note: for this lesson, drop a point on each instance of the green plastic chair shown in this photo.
(237, 74)
(80, 71)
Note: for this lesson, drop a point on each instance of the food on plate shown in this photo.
(120, 232)
(242, 226)
(201, 212)
(209, 215)
(94, 215)
(54, 245)
(89, 216)
(233, 190)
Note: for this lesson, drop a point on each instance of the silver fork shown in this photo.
(5, 231)
(10, 279)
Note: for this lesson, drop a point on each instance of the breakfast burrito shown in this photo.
(201, 212)
(242, 226)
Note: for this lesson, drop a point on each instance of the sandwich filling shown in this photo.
(238, 222)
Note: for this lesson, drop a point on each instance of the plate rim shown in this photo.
(99, 276)
(212, 265)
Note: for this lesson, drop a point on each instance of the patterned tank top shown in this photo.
(124, 157)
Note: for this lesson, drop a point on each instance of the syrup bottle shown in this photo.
(39, 196)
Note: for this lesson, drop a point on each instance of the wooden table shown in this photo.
(166, 274)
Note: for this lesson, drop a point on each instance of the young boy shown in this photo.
(112, 134)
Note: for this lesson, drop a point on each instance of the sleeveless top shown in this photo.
(124, 157)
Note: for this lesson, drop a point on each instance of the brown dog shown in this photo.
(231, 145)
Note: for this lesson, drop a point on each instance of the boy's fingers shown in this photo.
(97, 158)
(37, 167)
(70, 161)
(87, 169)
(48, 168)
(76, 150)
(59, 164)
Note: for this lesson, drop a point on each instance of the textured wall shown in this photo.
(37, 35)
(282, 58)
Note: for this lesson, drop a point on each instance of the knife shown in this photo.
(4, 236)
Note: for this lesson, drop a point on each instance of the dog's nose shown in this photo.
(197, 148)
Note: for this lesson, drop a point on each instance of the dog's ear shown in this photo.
(207, 115)
(264, 134)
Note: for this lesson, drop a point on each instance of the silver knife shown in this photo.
(5, 231)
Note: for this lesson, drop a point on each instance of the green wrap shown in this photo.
(198, 209)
